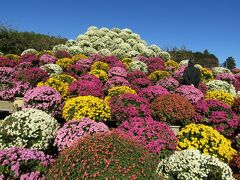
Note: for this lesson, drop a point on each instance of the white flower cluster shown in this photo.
(119, 42)
(190, 164)
(138, 65)
(185, 63)
(30, 128)
(29, 51)
(218, 70)
(1, 54)
(221, 85)
(52, 69)
(238, 94)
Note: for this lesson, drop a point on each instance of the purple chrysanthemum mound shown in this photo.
(73, 130)
(22, 163)
(44, 98)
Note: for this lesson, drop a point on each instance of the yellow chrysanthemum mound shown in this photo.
(100, 66)
(56, 84)
(126, 61)
(220, 95)
(65, 62)
(171, 63)
(158, 75)
(78, 57)
(206, 74)
(65, 78)
(12, 56)
(86, 106)
(100, 74)
(207, 140)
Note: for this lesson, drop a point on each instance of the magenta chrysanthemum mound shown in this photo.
(151, 92)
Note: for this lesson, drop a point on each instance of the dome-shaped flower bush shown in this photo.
(190, 92)
(228, 77)
(117, 71)
(117, 91)
(152, 92)
(218, 70)
(135, 75)
(73, 130)
(173, 109)
(102, 75)
(85, 88)
(104, 156)
(140, 83)
(44, 98)
(138, 65)
(115, 81)
(128, 106)
(6, 74)
(13, 162)
(207, 140)
(178, 74)
(169, 83)
(47, 59)
(52, 69)
(64, 62)
(236, 105)
(220, 95)
(29, 51)
(206, 75)
(62, 54)
(221, 85)
(171, 65)
(165, 55)
(156, 136)
(191, 164)
(158, 75)
(32, 75)
(98, 65)
(86, 106)
(30, 58)
(29, 128)
(5, 62)
(218, 115)
(92, 78)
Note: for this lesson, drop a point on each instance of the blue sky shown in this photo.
(196, 25)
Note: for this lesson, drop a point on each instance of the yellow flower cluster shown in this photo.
(100, 66)
(56, 84)
(12, 56)
(86, 106)
(118, 90)
(65, 62)
(65, 78)
(100, 74)
(207, 140)
(220, 95)
(171, 63)
(126, 61)
(78, 57)
(158, 75)
(206, 74)
(39, 54)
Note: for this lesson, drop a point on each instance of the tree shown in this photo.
(229, 63)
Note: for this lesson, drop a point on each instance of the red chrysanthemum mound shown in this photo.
(105, 156)
(156, 136)
(235, 166)
(236, 106)
(173, 109)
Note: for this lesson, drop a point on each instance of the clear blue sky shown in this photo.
(197, 25)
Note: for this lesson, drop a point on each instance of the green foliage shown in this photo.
(14, 42)
(229, 63)
(204, 58)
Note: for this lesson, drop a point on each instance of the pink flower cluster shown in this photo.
(218, 115)
(76, 129)
(169, 83)
(117, 71)
(154, 63)
(62, 54)
(31, 58)
(156, 136)
(84, 63)
(129, 106)
(190, 92)
(75, 70)
(13, 163)
(85, 88)
(5, 62)
(135, 75)
(44, 98)
(115, 81)
(16, 89)
(140, 83)
(230, 78)
(178, 74)
(47, 59)
(151, 92)
(6, 74)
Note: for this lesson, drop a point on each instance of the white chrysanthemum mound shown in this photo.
(218, 70)
(118, 42)
(221, 85)
(29, 51)
(185, 63)
(1, 54)
(30, 128)
(52, 69)
(190, 164)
